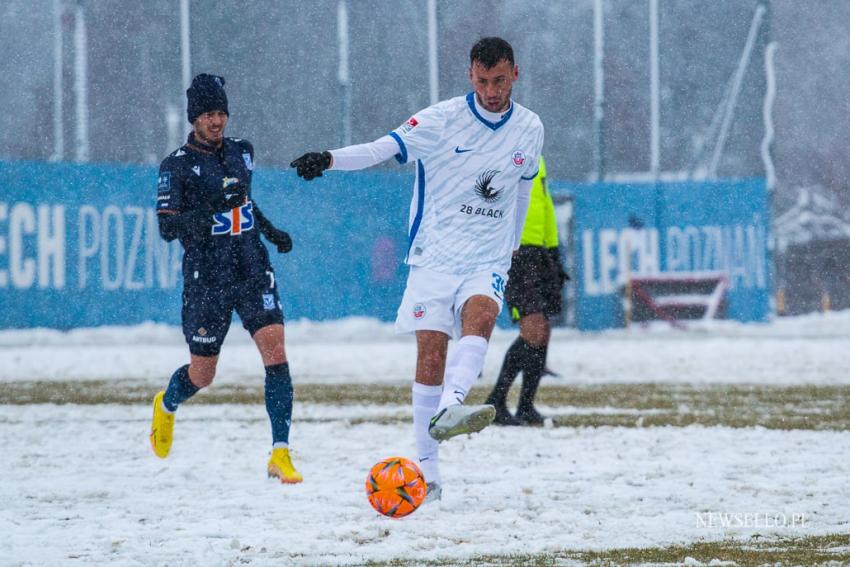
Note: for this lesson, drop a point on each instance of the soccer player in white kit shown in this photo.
(476, 157)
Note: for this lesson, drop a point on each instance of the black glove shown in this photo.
(229, 198)
(312, 164)
(279, 238)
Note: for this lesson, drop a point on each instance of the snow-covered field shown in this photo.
(802, 350)
(79, 484)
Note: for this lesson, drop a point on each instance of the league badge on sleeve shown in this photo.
(163, 186)
(164, 182)
(408, 126)
(249, 163)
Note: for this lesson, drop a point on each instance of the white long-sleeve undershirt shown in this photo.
(489, 114)
(361, 156)
(366, 155)
(523, 198)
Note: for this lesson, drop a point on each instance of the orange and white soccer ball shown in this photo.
(395, 487)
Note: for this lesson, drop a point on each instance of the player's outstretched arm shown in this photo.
(350, 158)
(279, 238)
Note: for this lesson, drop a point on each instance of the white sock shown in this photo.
(462, 369)
(425, 401)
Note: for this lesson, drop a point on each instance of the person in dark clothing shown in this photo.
(204, 200)
(533, 294)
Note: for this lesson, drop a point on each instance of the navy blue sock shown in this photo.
(180, 389)
(279, 401)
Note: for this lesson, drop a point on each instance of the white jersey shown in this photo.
(463, 212)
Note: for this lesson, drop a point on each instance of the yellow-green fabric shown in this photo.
(540, 229)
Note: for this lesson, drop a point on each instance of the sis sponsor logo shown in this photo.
(235, 221)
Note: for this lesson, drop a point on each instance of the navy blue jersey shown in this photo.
(188, 178)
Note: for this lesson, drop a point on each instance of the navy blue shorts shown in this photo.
(208, 309)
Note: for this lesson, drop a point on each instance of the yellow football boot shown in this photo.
(280, 466)
(162, 428)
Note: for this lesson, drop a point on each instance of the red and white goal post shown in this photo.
(674, 297)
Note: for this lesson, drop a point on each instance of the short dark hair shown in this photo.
(488, 51)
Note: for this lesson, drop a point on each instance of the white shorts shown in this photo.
(433, 300)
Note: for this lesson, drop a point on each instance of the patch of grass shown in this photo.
(127, 392)
(814, 550)
(617, 405)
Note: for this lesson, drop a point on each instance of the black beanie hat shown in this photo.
(205, 95)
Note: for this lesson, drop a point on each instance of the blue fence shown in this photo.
(647, 229)
(79, 244)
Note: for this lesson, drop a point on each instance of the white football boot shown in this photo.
(459, 419)
(434, 494)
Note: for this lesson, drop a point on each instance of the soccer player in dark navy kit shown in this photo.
(204, 199)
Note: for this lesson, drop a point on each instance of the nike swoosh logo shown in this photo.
(459, 150)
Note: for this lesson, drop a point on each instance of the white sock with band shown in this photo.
(425, 401)
(463, 367)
